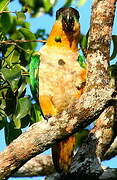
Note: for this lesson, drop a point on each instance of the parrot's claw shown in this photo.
(46, 117)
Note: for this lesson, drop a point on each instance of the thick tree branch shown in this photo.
(40, 165)
(42, 135)
(104, 132)
(112, 151)
(108, 174)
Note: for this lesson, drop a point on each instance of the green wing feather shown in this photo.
(34, 75)
(81, 61)
(34, 84)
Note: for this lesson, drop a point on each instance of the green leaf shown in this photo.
(81, 2)
(48, 4)
(84, 40)
(12, 75)
(23, 108)
(10, 100)
(12, 56)
(20, 18)
(26, 25)
(68, 3)
(113, 70)
(3, 93)
(30, 3)
(3, 4)
(6, 22)
(28, 35)
(41, 33)
(16, 35)
(22, 88)
(81, 61)
(35, 113)
(25, 121)
(114, 53)
(2, 106)
(11, 132)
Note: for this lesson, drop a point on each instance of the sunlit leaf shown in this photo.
(3, 4)
(3, 93)
(68, 3)
(12, 56)
(81, 2)
(22, 89)
(81, 61)
(20, 17)
(26, 25)
(47, 5)
(28, 35)
(12, 75)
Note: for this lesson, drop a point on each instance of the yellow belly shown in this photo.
(60, 77)
(60, 82)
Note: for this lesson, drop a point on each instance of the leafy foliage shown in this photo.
(38, 7)
(17, 110)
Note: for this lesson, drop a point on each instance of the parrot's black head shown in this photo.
(69, 16)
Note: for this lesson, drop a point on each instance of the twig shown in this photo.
(3, 12)
(21, 41)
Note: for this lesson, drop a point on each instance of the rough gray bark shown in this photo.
(80, 113)
(40, 165)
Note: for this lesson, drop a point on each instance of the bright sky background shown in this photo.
(46, 22)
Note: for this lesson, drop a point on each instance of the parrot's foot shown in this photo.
(46, 117)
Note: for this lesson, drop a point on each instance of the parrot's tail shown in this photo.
(62, 154)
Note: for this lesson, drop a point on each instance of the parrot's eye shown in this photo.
(61, 62)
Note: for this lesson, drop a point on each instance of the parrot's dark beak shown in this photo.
(67, 22)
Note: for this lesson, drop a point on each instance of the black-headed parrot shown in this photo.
(57, 77)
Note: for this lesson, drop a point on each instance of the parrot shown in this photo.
(58, 76)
